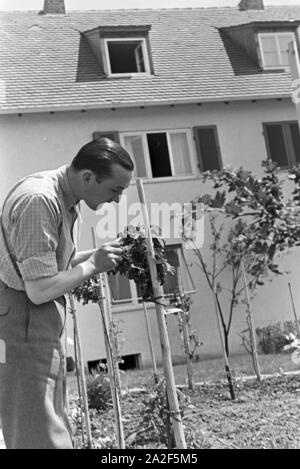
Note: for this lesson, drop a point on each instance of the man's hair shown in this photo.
(100, 155)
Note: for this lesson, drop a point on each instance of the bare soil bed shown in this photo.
(264, 416)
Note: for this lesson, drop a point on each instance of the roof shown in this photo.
(47, 63)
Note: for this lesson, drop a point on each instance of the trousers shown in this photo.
(33, 372)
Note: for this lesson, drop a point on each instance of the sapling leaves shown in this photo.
(133, 265)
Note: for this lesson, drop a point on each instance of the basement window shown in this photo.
(126, 56)
(274, 49)
(128, 362)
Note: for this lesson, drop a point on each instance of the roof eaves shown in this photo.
(121, 27)
(262, 24)
(112, 105)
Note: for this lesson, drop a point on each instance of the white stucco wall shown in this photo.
(44, 141)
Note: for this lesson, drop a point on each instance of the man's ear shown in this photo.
(87, 176)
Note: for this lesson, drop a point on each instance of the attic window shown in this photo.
(274, 49)
(126, 56)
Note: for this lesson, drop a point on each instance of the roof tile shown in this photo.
(47, 63)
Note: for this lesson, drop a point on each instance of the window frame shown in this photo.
(278, 50)
(143, 43)
(138, 61)
(287, 138)
(168, 132)
(130, 302)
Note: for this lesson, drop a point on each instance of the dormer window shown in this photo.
(264, 43)
(274, 49)
(122, 51)
(126, 56)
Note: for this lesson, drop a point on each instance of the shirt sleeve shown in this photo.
(35, 236)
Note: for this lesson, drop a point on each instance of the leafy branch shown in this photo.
(133, 265)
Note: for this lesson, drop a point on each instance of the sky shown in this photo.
(37, 5)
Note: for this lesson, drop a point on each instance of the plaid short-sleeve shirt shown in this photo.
(37, 228)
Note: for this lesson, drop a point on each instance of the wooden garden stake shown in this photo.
(111, 360)
(251, 325)
(111, 331)
(186, 343)
(164, 339)
(294, 311)
(81, 372)
(170, 430)
(155, 373)
(227, 367)
(187, 350)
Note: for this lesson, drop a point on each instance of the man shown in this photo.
(39, 265)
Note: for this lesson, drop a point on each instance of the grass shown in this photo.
(211, 370)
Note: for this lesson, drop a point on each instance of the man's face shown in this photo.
(98, 192)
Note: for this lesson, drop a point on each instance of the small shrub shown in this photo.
(99, 393)
(155, 414)
(272, 339)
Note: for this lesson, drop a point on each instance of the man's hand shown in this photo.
(106, 257)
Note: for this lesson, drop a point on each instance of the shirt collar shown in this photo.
(70, 198)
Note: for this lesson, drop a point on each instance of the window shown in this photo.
(171, 282)
(122, 50)
(128, 362)
(174, 257)
(135, 146)
(160, 154)
(124, 291)
(274, 49)
(208, 148)
(126, 56)
(120, 288)
(131, 362)
(283, 143)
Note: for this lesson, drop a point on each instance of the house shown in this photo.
(184, 90)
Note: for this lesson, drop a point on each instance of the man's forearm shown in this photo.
(45, 289)
(82, 256)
